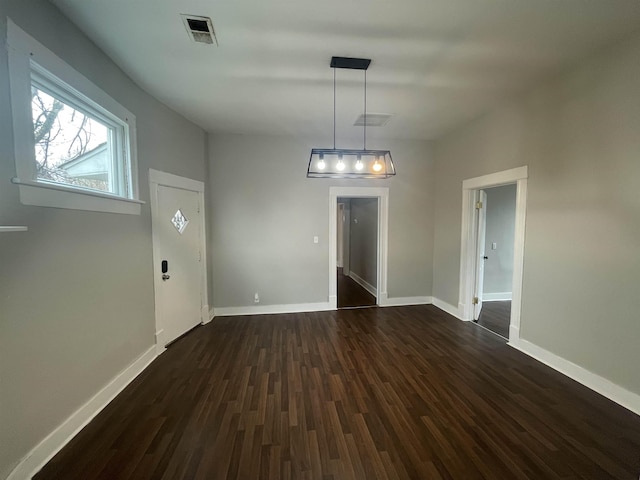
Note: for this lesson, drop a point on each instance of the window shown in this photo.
(74, 144)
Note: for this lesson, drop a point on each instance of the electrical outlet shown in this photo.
(256, 298)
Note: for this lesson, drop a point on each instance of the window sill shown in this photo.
(59, 196)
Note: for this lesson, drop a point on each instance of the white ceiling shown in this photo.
(436, 63)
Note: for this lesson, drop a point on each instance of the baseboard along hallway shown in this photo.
(397, 392)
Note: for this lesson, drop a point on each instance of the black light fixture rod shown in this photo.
(334, 108)
(364, 141)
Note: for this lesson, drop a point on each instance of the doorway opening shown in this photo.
(492, 298)
(375, 202)
(357, 251)
(496, 211)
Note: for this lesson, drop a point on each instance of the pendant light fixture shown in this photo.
(348, 163)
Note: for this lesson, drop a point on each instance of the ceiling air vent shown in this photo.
(373, 120)
(200, 29)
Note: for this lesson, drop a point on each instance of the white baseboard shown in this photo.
(402, 301)
(160, 342)
(496, 297)
(212, 313)
(514, 333)
(364, 284)
(267, 309)
(446, 307)
(333, 302)
(53, 443)
(205, 315)
(595, 382)
(383, 301)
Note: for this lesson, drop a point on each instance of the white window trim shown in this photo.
(23, 50)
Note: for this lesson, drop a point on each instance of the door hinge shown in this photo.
(475, 300)
(199, 256)
(478, 205)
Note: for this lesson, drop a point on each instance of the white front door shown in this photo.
(177, 232)
(481, 208)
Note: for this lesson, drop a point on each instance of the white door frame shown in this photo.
(382, 194)
(340, 233)
(468, 262)
(157, 178)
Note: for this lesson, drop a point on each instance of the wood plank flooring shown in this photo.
(496, 316)
(398, 393)
(352, 294)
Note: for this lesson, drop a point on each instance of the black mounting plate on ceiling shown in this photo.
(352, 63)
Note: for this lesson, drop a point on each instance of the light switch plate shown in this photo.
(315, 239)
(494, 245)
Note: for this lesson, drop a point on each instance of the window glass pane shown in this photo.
(72, 148)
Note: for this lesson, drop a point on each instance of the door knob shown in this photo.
(165, 276)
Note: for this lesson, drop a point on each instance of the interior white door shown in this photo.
(178, 236)
(481, 209)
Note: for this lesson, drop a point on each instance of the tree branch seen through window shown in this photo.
(71, 147)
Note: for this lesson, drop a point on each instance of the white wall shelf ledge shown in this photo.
(13, 228)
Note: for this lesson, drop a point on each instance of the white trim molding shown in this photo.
(403, 301)
(496, 297)
(447, 307)
(310, 307)
(469, 235)
(595, 382)
(160, 342)
(382, 194)
(29, 60)
(56, 440)
(59, 196)
(206, 314)
(497, 179)
(364, 284)
(270, 309)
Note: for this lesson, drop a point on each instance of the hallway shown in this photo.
(351, 294)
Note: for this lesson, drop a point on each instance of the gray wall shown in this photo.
(76, 291)
(579, 136)
(363, 239)
(501, 219)
(265, 213)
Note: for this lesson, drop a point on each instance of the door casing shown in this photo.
(468, 242)
(157, 178)
(340, 240)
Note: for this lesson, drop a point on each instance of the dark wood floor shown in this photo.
(496, 316)
(399, 392)
(352, 294)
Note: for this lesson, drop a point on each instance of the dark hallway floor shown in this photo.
(495, 316)
(352, 294)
